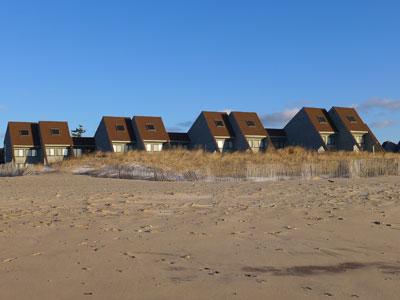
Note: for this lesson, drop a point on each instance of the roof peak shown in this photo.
(309, 107)
(343, 107)
(53, 122)
(146, 117)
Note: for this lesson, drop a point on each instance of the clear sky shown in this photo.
(78, 60)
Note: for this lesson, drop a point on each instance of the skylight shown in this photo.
(321, 119)
(219, 123)
(351, 119)
(24, 132)
(55, 131)
(250, 123)
(150, 127)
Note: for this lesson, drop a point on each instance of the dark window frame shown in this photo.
(120, 127)
(55, 131)
(351, 119)
(23, 131)
(250, 123)
(150, 127)
(322, 120)
(219, 123)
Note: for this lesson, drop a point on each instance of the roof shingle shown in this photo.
(218, 123)
(17, 139)
(320, 119)
(49, 136)
(114, 123)
(249, 123)
(150, 128)
(350, 119)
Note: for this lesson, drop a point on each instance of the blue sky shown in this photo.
(77, 60)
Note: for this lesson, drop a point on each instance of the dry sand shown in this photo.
(76, 237)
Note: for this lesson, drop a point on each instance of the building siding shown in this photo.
(239, 142)
(301, 132)
(344, 139)
(139, 145)
(101, 138)
(200, 135)
(8, 157)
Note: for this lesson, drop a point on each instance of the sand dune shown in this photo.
(65, 236)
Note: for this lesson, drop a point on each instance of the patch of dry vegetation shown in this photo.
(194, 165)
(9, 170)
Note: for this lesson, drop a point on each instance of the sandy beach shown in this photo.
(66, 236)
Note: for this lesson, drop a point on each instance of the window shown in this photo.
(325, 139)
(19, 153)
(50, 152)
(219, 123)
(254, 143)
(122, 147)
(351, 119)
(32, 152)
(120, 128)
(157, 147)
(220, 144)
(331, 140)
(150, 127)
(264, 144)
(153, 147)
(24, 132)
(359, 139)
(78, 152)
(321, 119)
(118, 148)
(65, 152)
(55, 131)
(250, 123)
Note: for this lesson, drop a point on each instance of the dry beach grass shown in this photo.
(288, 163)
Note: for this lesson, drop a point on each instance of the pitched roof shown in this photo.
(83, 141)
(49, 136)
(249, 123)
(150, 128)
(16, 138)
(350, 118)
(218, 123)
(179, 137)
(111, 124)
(275, 132)
(320, 119)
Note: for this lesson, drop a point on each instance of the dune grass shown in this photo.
(287, 163)
(10, 170)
